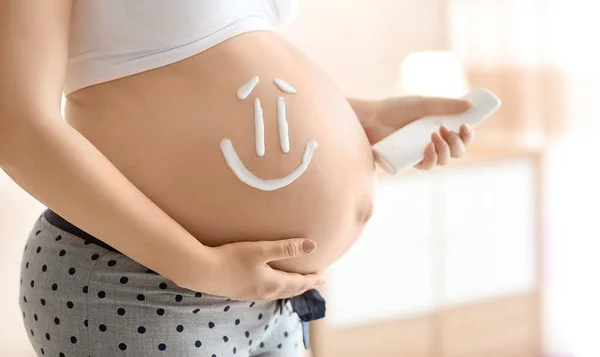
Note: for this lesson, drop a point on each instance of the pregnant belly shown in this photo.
(270, 163)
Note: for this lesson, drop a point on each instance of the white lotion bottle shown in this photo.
(406, 147)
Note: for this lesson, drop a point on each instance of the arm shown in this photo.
(60, 168)
(364, 110)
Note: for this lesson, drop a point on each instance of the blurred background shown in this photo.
(495, 255)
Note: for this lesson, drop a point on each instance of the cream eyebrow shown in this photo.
(259, 128)
(284, 86)
(244, 91)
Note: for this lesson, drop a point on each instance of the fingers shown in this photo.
(442, 149)
(311, 281)
(418, 107)
(284, 249)
(429, 159)
(466, 134)
(292, 284)
(454, 141)
(445, 145)
(277, 284)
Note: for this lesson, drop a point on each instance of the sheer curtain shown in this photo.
(539, 55)
(542, 57)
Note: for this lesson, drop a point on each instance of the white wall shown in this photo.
(571, 308)
(362, 43)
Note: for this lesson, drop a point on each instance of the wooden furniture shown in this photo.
(449, 265)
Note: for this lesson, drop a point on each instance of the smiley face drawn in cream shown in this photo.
(237, 166)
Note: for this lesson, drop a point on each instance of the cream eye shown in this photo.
(259, 128)
(284, 138)
(233, 160)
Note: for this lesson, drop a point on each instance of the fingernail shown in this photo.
(308, 246)
(467, 128)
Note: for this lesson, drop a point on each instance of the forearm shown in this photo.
(64, 171)
(364, 109)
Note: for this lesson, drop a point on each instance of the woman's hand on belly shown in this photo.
(240, 270)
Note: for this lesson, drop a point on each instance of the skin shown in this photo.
(65, 171)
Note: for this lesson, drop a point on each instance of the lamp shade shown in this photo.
(433, 73)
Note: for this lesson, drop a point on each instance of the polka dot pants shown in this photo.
(80, 299)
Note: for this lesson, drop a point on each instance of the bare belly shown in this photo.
(164, 128)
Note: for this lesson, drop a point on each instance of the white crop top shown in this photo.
(111, 39)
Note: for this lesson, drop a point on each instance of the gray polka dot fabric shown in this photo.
(80, 299)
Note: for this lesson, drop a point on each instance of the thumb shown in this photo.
(286, 249)
(417, 107)
(444, 106)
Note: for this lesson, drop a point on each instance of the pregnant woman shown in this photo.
(207, 171)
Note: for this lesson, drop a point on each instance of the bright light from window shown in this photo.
(433, 73)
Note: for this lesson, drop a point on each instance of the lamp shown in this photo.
(433, 73)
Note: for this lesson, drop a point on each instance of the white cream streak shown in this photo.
(247, 177)
(259, 128)
(284, 137)
(284, 86)
(244, 91)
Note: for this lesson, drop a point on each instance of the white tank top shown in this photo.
(111, 39)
